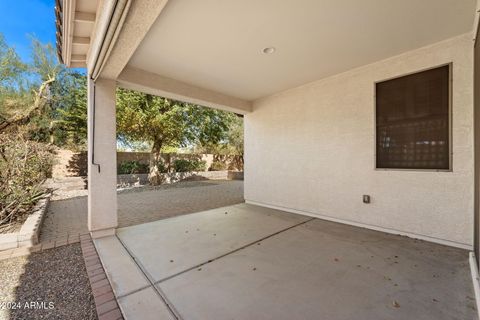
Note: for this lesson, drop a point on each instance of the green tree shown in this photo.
(232, 144)
(212, 128)
(49, 72)
(167, 123)
(235, 137)
(70, 110)
(44, 63)
(12, 72)
(25, 100)
(11, 66)
(25, 90)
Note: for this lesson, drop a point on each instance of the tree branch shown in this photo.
(37, 104)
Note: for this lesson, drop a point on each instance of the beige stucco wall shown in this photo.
(311, 149)
(102, 168)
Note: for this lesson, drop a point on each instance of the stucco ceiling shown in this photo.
(217, 44)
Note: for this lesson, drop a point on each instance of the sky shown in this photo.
(20, 19)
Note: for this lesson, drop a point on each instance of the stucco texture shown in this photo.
(312, 149)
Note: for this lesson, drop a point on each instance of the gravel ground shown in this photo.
(53, 277)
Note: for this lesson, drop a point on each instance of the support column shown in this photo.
(102, 158)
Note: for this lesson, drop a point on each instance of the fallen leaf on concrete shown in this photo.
(395, 304)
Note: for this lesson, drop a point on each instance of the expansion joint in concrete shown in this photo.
(232, 251)
(159, 292)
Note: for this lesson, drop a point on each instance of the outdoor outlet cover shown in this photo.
(366, 198)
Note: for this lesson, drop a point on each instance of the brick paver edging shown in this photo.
(106, 304)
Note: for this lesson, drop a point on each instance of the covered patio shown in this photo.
(362, 146)
(251, 262)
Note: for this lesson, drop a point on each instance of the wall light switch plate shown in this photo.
(366, 198)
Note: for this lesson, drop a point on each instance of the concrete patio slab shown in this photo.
(123, 273)
(325, 270)
(168, 247)
(259, 263)
(146, 305)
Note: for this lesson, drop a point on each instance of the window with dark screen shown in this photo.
(412, 121)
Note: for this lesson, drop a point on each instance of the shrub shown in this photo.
(184, 165)
(160, 167)
(181, 165)
(24, 167)
(132, 167)
(200, 165)
(217, 166)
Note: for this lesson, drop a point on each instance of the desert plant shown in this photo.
(199, 165)
(24, 167)
(132, 167)
(184, 165)
(217, 166)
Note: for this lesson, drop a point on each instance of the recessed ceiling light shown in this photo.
(268, 50)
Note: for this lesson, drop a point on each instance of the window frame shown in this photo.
(450, 118)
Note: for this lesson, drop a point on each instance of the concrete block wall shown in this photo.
(232, 162)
